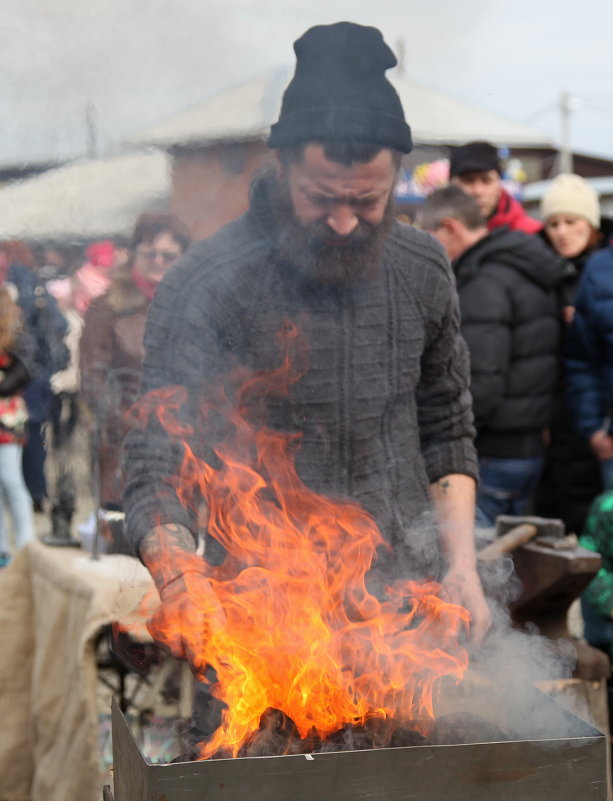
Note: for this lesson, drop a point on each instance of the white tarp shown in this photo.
(86, 198)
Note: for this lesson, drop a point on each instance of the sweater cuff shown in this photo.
(454, 457)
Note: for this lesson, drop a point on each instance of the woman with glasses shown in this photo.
(111, 350)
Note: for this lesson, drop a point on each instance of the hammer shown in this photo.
(513, 532)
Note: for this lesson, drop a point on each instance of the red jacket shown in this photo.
(512, 214)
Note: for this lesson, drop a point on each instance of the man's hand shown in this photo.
(454, 502)
(602, 444)
(190, 612)
(463, 587)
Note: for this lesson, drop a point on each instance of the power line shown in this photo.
(540, 112)
(596, 107)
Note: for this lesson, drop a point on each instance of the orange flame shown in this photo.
(302, 632)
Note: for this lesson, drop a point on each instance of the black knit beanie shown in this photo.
(339, 92)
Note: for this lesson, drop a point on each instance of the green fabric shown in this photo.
(597, 536)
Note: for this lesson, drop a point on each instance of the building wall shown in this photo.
(210, 186)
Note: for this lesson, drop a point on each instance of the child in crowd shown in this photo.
(13, 418)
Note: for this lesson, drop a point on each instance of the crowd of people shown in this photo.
(70, 352)
(517, 278)
(538, 349)
(536, 301)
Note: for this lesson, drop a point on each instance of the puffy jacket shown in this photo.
(589, 347)
(510, 320)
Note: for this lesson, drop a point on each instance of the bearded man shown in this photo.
(383, 411)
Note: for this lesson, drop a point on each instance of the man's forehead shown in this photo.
(319, 173)
(478, 175)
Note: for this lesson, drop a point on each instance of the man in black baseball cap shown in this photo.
(476, 168)
(382, 413)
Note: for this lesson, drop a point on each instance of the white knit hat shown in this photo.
(571, 194)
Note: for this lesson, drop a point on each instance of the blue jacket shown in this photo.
(589, 347)
(47, 327)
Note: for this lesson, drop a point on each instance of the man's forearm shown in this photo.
(190, 611)
(454, 502)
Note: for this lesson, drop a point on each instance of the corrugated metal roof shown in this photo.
(247, 111)
(87, 198)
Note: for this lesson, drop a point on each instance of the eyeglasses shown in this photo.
(167, 256)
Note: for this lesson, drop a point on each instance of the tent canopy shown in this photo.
(86, 199)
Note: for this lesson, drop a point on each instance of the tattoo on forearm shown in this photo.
(177, 536)
(444, 484)
(164, 539)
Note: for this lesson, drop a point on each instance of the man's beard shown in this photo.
(312, 250)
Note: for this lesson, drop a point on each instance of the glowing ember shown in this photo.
(302, 633)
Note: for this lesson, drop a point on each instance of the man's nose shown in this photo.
(342, 220)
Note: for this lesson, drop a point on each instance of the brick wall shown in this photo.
(210, 186)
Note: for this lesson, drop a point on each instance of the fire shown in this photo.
(302, 633)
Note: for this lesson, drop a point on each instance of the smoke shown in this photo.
(500, 683)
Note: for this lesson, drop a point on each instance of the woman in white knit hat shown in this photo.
(571, 213)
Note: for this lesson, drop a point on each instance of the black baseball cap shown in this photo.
(474, 157)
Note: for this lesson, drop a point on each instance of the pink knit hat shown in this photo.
(101, 254)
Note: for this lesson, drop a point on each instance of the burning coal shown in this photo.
(304, 646)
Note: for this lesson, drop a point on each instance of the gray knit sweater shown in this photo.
(384, 409)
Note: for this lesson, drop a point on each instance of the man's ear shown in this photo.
(450, 226)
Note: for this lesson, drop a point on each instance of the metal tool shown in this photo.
(512, 532)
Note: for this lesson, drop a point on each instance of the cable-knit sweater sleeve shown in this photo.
(184, 351)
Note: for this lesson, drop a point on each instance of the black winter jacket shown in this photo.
(511, 323)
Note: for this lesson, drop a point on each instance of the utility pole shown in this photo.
(565, 155)
(91, 129)
(400, 55)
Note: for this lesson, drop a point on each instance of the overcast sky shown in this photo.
(139, 61)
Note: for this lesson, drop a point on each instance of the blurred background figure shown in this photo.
(476, 168)
(111, 349)
(56, 261)
(597, 600)
(14, 376)
(66, 384)
(94, 277)
(47, 327)
(589, 360)
(507, 284)
(574, 229)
